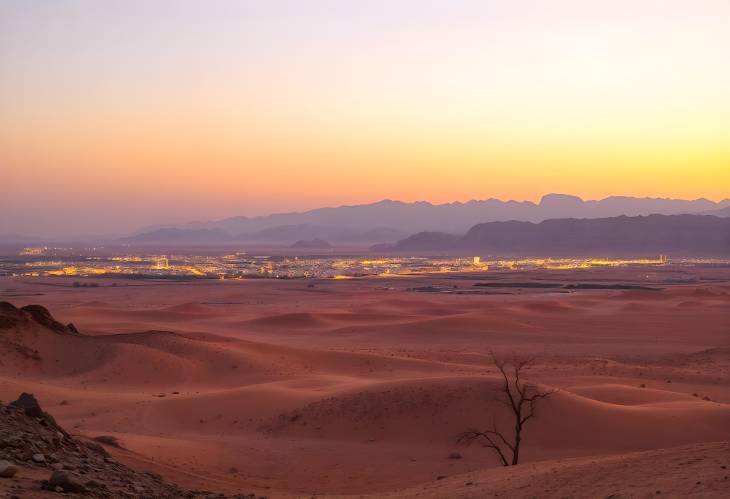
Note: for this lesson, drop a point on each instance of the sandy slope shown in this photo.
(698, 471)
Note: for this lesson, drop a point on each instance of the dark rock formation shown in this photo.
(12, 316)
(30, 406)
(43, 317)
(73, 464)
(66, 481)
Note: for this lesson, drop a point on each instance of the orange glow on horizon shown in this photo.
(254, 111)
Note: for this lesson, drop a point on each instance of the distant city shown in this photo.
(96, 262)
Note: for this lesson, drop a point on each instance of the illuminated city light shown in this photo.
(68, 262)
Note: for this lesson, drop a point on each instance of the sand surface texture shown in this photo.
(360, 387)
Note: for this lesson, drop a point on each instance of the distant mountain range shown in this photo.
(678, 235)
(279, 235)
(174, 235)
(389, 221)
(311, 244)
(722, 212)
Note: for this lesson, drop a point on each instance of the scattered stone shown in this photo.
(39, 458)
(7, 469)
(95, 484)
(67, 481)
(97, 448)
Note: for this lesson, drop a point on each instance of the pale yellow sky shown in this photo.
(115, 115)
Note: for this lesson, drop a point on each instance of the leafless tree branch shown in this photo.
(521, 398)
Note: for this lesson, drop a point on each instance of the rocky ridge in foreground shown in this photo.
(39, 459)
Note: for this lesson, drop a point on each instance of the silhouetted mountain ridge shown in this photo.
(389, 220)
(642, 235)
(722, 212)
(422, 215)
(179, 236)
(315, 243)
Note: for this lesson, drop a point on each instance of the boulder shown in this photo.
(67, 481)
(28, 403)
(95, 447)
(7, 469)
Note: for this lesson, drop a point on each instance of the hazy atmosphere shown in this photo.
(119, 115)
(340, 249)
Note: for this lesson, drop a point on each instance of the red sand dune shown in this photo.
(357, 390)
(686, 472)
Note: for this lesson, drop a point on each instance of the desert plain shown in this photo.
(360, 387)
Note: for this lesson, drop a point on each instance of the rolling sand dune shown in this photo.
(627, 395)
(439, 409)
(637, 307)
(642, 295)
(161, 358)
(549, 307)
(690, 471)
(355, 389)
(287, 321)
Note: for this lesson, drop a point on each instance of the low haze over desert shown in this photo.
(360, 250)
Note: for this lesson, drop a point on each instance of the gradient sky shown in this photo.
(115, 115)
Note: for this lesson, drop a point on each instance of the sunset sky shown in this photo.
(120, 114)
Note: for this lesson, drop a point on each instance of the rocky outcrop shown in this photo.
(30, 406)
(43, 317)
(12, 316)
(32, 447)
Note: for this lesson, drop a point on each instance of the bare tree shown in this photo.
(521, 398)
